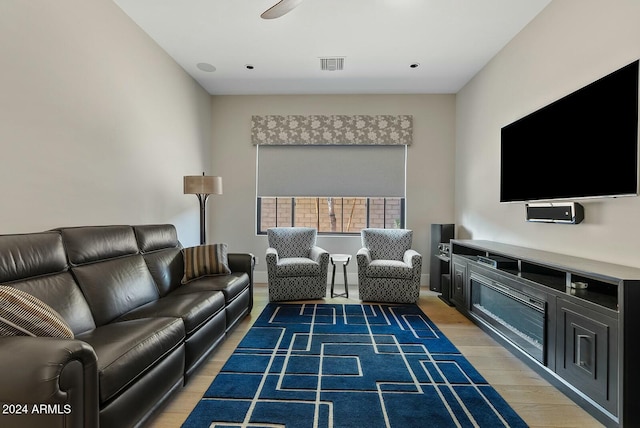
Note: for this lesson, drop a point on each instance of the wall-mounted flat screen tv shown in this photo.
(583, 145)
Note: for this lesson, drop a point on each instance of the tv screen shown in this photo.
(583, 145)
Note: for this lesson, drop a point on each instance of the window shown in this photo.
(336, 189)
(332, 215)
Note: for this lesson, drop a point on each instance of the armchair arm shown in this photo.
(272, 257)
(363, 256)
(48, 382)
(319, 255)
(272, 260)
(412, 258)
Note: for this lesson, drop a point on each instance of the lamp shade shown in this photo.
(202, 184)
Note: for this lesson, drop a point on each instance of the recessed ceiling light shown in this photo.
(415, 65)
(206, 67)
(249, 67)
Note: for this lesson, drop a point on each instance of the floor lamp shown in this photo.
(202, 186)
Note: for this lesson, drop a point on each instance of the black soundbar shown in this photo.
(555, 212)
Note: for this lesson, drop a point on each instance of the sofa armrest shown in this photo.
(242, 262)
(48, 382)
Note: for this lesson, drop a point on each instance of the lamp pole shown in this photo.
(202, 198)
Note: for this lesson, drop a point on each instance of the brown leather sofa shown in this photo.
(138, 332)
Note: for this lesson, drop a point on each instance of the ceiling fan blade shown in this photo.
(280, 8)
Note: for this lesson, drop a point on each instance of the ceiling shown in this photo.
(451, 40)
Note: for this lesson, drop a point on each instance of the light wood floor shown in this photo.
(534, 399)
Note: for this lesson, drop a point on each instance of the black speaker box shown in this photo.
(440, 234)
(445, 288)
(556, 212)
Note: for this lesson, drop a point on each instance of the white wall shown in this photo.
(430, 174)
(97, 123)
(570, 44)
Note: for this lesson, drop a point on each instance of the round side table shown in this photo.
(344, 260)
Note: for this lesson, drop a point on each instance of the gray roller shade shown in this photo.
(348, 171)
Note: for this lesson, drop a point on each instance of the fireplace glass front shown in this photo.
(516, 315)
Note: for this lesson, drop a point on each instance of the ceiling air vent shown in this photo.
(332, 64)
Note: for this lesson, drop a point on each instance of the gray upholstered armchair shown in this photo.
(296, 267)
(388, 269)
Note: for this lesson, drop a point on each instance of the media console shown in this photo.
(573, 320)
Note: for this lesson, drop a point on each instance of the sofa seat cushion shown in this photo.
(297, 266)
(231, 285)
(389, 269)
(195, 309)
(127, 350)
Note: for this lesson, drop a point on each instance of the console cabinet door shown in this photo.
(586, 354)
(458, 283)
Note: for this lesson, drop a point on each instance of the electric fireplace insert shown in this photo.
(517, 315)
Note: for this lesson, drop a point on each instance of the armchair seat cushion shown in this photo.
(297, 266)
(127, 350)
(389, 269)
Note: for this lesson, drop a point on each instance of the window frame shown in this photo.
(292, 218)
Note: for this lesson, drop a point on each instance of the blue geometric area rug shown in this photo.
(328, 365)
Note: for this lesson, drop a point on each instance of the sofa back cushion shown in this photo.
(94, 243)
(28, 255)
(167, 269)
(153, 237)
(115, 287)
(387, 244)
(292, 241)
(61, 292)
(161, 250)
(37, 264)
(109, 269)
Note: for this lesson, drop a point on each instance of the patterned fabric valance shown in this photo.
(332, 130)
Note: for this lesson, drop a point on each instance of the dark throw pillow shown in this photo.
(205, 260)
